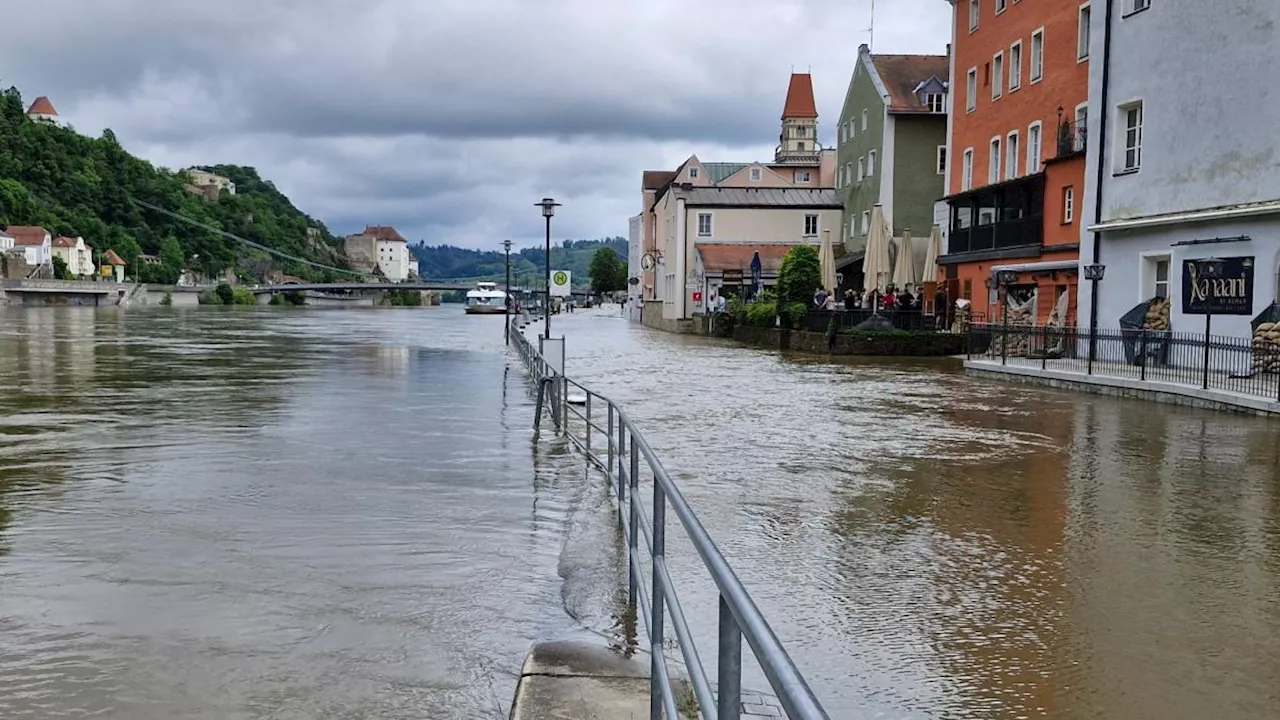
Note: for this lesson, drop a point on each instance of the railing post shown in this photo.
(1142, 354)
(658, 605)
(729, 666)
(633, 542)
(1044, 347)
(537, 408)
(1093, 338)
(609, 437)
(587, 413)
(1207, 319)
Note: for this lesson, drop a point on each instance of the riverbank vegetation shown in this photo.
(75, 185)
(225, 294)
(798, 276)
(446, 262)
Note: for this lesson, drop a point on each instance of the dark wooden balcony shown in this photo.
(997, 217)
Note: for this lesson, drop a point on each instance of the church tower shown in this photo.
(798, 144)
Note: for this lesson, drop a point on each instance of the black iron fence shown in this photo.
(915, 320)
(1217, 362)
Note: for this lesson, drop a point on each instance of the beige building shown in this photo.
(799, 163)
(380, 246)
(208, 185)
(695, 217)
(77, 255)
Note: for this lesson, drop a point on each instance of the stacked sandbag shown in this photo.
(1157, 317)
(1266, 347)
(960, 323)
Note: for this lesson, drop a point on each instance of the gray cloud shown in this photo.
(449, 118)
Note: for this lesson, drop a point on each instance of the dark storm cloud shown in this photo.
(448, 117)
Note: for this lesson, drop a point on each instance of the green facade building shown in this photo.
(891, 143)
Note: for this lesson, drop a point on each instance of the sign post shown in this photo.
(1222, 286)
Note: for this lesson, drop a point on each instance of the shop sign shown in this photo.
(1231, 294)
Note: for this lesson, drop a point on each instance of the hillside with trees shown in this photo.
(81, 186)
(446, 262)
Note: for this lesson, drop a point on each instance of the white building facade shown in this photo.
(694, 216)
(76, 254)
(1183, 164)
(394, 258)
(635, 254)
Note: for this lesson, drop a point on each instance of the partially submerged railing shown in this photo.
(739, 618)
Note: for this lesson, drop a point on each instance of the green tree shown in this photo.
(799, 276)
(606, 271)
(60, 269)
(171, 258)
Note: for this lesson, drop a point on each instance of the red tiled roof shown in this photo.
(718, 257)
(903, 73)
(27, 234)
(655, 179)
(800, 102)
(383, 232)
(62, 241)
(111, 258)
(41, 106)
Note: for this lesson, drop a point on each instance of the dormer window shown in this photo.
(693, 173)
(936, 102)
(756, 174)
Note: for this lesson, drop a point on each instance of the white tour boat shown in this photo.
(486, 299)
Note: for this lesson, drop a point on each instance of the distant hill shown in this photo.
(76, 185)
(446, 262)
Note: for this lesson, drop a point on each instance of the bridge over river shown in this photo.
(299, 513)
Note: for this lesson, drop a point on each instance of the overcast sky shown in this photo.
(449, 118)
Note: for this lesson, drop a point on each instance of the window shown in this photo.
(802, 131)
(1037, 55)
(810, 224)
(973, 14)
(971, 90)
(866, 221)
(1082, 33)
(693, 173)
(1138, 5)
(704, 224)
(1156, 276)
(1068, 205)
(1011, 156)
(862, 169)
(942, 159)
(993, 169)
(1033, 147)
(997, 76)
(1015, 66)
(756, 174)
(966, 170)
(853, 132)
(1131, 120)
(802, 176)
(1001, 5)
(864, 120)
(871, 163)
(936, 102)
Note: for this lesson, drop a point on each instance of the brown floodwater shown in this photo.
(296, 513)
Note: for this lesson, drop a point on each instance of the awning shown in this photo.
(1047, 266)
(848, 260)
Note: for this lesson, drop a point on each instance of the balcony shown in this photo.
(1072, 137)
(998, 217)
(787, 156)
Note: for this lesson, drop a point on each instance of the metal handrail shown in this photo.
(739, 617)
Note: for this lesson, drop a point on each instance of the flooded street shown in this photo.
(295, 513)
(931, 546)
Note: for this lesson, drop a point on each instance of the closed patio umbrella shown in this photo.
(827, 260)
(931, 255)
(904, 272)
(875, 264)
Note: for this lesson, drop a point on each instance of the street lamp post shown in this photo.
(1208, 269)
(1093, 273)
(548, 206)
(1005, 278)
(506, 300)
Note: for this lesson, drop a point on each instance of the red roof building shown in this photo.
(27, 235)
(800, 103)
(111, 258)
(42, 109)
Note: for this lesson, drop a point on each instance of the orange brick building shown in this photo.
(1015, 146)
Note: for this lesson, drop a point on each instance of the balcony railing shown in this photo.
(996, 235)
(1072, 138)
(783, 155)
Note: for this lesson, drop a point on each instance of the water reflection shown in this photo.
(935, 546)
